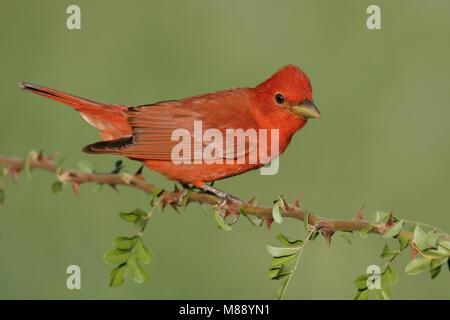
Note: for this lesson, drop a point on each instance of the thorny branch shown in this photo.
(327, 226)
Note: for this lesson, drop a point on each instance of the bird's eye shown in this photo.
(279, 98)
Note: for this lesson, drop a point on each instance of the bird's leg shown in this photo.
(182, 194)
(221, 194)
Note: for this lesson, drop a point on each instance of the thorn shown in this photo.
(390, 222)
(327, 235)
(251, 200)
(40, 156)
(138, 173)
(359, 215)
(75, 185)
(174, 206)
(14, 174)
(322, 224)
(269, 223)
(296, 203)
(414, 252)
(50, 157)
(113, 186)
(236, 218)
(166, 201)
(175, 189)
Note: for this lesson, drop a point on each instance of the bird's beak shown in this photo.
(306, 109)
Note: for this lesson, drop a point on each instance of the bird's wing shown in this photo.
(159, 128)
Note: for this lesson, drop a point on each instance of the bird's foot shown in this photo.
(221, 194)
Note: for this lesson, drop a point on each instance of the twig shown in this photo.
(36, 161)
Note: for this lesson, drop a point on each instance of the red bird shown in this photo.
(144, 133)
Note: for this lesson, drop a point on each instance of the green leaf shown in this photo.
(143, 254)
(276, 214)
(420, 238)
(281, 288)
(404, 241)
(444, 243)
(306, 221)
(362, 294)
(348, 236)
(137, 272)
(288, 242)
(26, 166)
(361, 282)
(436, 266)
(132, 216)
(280, 252)
(389, 253)
(125, 243)
(155, 194)
(384, 293)
(395, 230)
(2, 196)
(277, 262)
(431, 239)
(390, 276)
(85, 166)
(440, 252)
(220, 222)
(59, 167)
(253, 222)
(417, 265)
(117, 275)
(364, 232)
(379, 216)
(57, 187)
(116, 256)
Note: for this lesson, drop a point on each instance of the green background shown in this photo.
(383, 139)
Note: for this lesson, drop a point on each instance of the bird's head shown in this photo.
(289, 89)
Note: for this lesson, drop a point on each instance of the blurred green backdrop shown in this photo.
(383, 139)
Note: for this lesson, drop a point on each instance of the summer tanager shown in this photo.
(144, 133)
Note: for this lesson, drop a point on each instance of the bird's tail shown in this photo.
(110, 119)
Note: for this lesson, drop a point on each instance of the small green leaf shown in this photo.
(390, 276)
(389, 253)
(155, 194)
(59, 167)
(26, 166)
(281, 288)
(143, 254)
(395, 230)
(362, 294)
(417, 265)
(361, 282)
(379, 216)
(137, 272)
(276, 214)
(277, 262)
(252, 221)
(85, 166)
(436, 266)
(57, 187)
(306, 221)
(116, 256)
(348, 236)
(420, 238)
(404, 241)
(2, 197)
(124, 243)
(444, 243)
(364, 232)
(280, 272)
(117, 275)
(280, 252)
(220, 222)
(440, 252)
(132, 216)
(284, 240)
